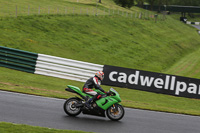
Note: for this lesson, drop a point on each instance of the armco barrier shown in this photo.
(194, 23)
(47, 65)
(18, 52)
(17, 59)
(65, 68)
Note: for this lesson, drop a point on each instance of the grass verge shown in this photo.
(21, 128)
(187, 66)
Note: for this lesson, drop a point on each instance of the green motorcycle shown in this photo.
(108, 103)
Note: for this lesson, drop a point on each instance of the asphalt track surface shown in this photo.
(196, 26)
(48, 112)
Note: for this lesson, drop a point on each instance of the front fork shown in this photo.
(114, 108)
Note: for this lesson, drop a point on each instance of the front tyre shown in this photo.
(70, 108)
(115, 114)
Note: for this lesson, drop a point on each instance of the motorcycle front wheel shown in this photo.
(115, 114)
(70, 108)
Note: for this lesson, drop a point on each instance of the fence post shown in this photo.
(39, 10)
(48, 10)
(16, 12)
(156, 17)
(57, 10)
(164, 15)
(28, 10)
(131, 14)
(140, 15)
(65, 10)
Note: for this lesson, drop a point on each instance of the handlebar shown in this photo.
(109, 93)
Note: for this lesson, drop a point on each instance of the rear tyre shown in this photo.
(115, 115)
(70, 108)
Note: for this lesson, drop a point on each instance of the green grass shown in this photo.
(187, 66)
(119, 41)
(27, 7)
(19, 128)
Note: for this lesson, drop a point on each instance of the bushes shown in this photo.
(125, 3)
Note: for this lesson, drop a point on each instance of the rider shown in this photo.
(93, 82)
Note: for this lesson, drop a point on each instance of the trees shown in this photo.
(186, 2)
(130, 3)
(159, 3)
(140, 2)
(151, 2)
(125, 3)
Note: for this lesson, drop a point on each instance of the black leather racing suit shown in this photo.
(91, 83)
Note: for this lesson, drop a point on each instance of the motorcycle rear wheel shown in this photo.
(115, 115)
(70, 108)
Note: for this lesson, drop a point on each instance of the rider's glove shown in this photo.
(108, 93)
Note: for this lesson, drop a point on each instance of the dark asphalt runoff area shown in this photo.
(48, 112)
(196, 26)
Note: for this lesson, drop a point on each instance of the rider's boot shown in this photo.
(88, 102)
(93, 99)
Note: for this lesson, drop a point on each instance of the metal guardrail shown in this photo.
(18, 52)
(194, 23)
(65, 68)
(17, 59)
(47, 65)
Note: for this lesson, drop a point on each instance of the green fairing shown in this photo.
(103, 103)
(82, 93)
(98, 91)
(77, 90)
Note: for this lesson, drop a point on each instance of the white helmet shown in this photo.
(100, 75)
